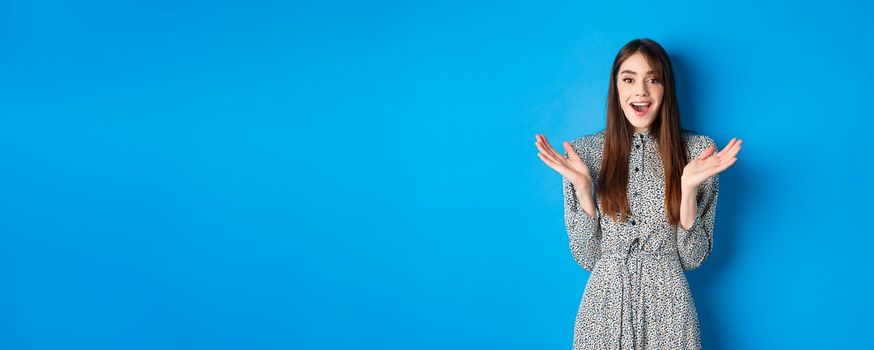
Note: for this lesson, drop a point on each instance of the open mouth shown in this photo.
(640, 108)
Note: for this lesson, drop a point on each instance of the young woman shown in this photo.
(640, 202)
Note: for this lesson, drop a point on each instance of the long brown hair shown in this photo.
(613, 178)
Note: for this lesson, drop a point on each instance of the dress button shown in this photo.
(636, 169)
(635, 193)
(636, 146)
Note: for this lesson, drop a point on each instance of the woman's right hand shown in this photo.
(573, 168)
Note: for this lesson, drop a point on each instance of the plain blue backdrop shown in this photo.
(338, 175)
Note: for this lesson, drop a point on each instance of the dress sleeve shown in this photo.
(584, 231)
(695, 244)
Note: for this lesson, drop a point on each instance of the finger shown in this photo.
(542, 144)
(558, 156)
(707, 152)
(731, 151)
(710, 165)
(728, 146)
(721, 167)
(727, 164)
(550, 152)
(544, 147)
(722, 159)
(732, 148)
(545, 159)
(553, 150)
(571, 152)
(541, 147)
(735, 149)
(548, 162)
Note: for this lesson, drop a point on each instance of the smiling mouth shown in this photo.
(641, 108)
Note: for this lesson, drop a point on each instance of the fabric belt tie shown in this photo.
(632, 273)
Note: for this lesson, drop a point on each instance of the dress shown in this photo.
(637, 296)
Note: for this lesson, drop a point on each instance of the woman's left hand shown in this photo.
(705, 166)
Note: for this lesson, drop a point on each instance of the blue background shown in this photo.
(284, 175)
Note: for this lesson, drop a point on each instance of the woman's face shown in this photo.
(640, 91)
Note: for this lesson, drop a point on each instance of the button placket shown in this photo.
(637, 163)
(638, 158)
(639, 167)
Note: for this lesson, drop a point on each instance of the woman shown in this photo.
(656, 186)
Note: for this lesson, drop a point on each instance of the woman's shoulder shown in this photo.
(593, 139)
(589, 147)
(594, 142)
(695, 142)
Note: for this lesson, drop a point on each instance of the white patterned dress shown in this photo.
(637, 296)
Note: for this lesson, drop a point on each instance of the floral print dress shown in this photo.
(637, 296)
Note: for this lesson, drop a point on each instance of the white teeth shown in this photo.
(639, 106)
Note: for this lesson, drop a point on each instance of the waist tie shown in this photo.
(627, 317)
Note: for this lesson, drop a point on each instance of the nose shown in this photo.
(641, 90)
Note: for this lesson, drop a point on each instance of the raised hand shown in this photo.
(705, 166)
(571, 167)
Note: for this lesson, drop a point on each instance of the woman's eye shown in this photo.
(654, 81)
(626, 80)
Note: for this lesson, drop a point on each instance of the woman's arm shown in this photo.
(697, 216)
(584, 230)
(700, 187)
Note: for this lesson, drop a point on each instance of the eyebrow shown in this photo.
(633, 72)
